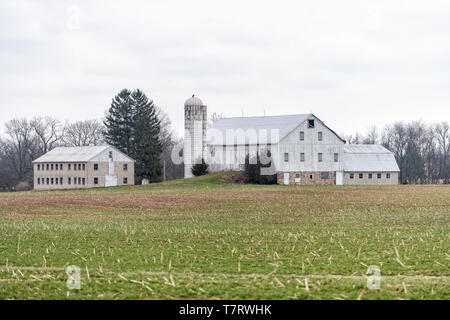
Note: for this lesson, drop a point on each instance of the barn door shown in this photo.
(286, 178)
(339, 178)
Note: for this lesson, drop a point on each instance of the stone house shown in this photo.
(82, 167)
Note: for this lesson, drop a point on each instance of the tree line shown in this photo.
(133, 124)
(422, 150)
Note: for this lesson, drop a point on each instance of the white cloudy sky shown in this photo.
(353, 63)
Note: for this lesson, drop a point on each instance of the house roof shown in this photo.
(71, 154)
(284, 124)
(368, 157)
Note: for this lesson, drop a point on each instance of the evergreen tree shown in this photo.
(119, 122)
(147, 147)
(200, 168)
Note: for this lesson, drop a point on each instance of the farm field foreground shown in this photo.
(203, 239)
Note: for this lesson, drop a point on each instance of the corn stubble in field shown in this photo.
(204, 239)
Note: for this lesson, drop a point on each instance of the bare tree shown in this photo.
(83, 133)
(214, 117)
(443, 139)
(48, 131)
(372, 136)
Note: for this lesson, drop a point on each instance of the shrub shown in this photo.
(253, 170)
(200, 168)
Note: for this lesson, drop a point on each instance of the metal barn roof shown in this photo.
(284, 124)
(369, 157)
(70, 154)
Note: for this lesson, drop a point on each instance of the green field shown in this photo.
(203, 239)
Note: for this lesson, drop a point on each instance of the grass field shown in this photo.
(202, 239)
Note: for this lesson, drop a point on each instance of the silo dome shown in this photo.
(193, 102)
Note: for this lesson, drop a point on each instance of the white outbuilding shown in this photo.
(300, 148)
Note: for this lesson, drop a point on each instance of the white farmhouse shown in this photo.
(303, 150)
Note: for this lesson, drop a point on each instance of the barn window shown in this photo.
(352, 175)
(319, 155)
(378, 175)
(302, 135)
(74, 180)
(370, 176)
(110, 154)
(84, 181)
(95, 180)
(302, 157)
(68, 166)
(95, 166)
(79, 166)
(286, 157)
(336, 157)
(39, 180)
(125, 180)
(320, 135)
(388, 175)
(51, 166)
(47, 166)
(39, 167)
(56, 180)
(61, 166)
(84, 166)
(74, 167)
(311, 123)
(325, 175)
(125, 166)
(79, 180)
(48, 180)
(68, 180)
(361, 175)
(311, 176)
(52, 180)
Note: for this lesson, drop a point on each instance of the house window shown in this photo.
(68, 166)
(320, 136)
(388, 175)
(84, 167)
(61, 166)
(39, 167)
(79, 166)
(302, 135)
(95, 180)
(286, 157)
(52, 180)
(84, 181)
(61, 180)
(74, 167)
(47, 166)
(110, 154)
(336, 157)
(56, 180)
(302, 157)
(311, 123)
(68, 180)
(378, 175)
(352, 175)
(361, 175)
(319, 155)
(51, 166)
(125, 180)
(74, 180)
(370, 176)
(95, 166)
(39, 181)
(56, 167)
(48, 180)
(325, 175)
(79, 180)
(125, 166)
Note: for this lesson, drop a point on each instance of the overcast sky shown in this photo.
(352, 63)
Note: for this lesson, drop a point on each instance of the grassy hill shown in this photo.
(201, 238)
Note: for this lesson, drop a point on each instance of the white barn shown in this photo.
(303, 149)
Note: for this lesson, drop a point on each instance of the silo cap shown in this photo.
(193, 102)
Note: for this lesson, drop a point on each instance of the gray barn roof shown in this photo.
(369, 157)
(285, 124)
(71, 154)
